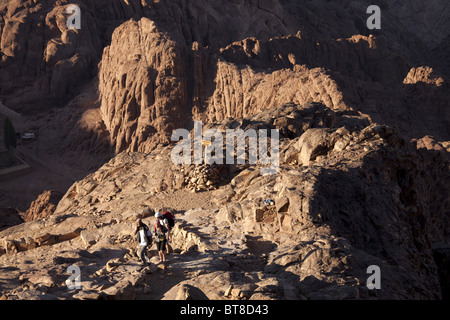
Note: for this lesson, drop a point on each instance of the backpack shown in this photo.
(170, 218)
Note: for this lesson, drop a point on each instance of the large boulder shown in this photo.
(44, 206)
(314, 143)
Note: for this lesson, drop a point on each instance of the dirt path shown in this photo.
(182, 200)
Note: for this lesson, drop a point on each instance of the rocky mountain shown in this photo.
(363, 117)
(198, 76)
(163, 63)
(348, 195)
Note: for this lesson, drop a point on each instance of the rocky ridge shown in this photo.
(363, 117)
(137, 70)
(163, 64)
(211, 79)
(348, 195)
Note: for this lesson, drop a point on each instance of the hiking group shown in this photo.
(160, 232)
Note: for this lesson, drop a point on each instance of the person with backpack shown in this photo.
(144, 239)
(160, 230)
(170, 219)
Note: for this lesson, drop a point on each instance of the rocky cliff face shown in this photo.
(364, 123)
(214, 78)
(178, 58)
(429, 21)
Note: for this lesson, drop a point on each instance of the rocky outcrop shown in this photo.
(167, 81)
(351, 190)
(45, 64)
(54, 52)
(174, 62)
(42, 61)
(43, 206)
(143, 90)
(425, 75)
(311, 231)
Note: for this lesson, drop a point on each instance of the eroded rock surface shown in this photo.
(363, 118)
(368, 198)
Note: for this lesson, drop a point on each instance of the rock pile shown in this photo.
(202, 177)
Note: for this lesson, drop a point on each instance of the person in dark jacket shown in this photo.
(144, 238)
(160, 231)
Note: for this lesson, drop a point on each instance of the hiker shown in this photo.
(170, 219)
(144, 238)
(160, 230)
